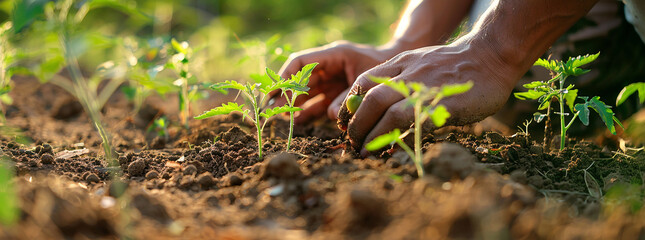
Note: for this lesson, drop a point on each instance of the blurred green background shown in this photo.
(230, 38)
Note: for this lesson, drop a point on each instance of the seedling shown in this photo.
(179, 62)
(159, 126)
(256, 93)
(555, 88)
(301, 79)
(417, 94)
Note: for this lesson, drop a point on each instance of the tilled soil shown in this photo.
(207, 182)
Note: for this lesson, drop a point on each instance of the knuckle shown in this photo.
(374, 99)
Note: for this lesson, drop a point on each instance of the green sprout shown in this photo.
(544, 91)
(159, 126)
(301, 79)
(256, 93)
(417, 95)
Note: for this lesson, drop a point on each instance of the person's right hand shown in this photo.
(339, 64)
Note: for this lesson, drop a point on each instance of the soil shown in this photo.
(207, 182)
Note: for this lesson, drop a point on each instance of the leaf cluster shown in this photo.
(545, 91)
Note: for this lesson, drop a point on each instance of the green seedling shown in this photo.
(179, 62)
(629, 90)
(301, 79)
(417, 94)
(159, 126)
(256, 93)
(555, 88)
(9, 211)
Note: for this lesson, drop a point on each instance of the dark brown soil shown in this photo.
(208, 183)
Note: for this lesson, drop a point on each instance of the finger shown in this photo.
(397, 116)
(311, 109)
(375, 103)
(334, 106)
(365, 82)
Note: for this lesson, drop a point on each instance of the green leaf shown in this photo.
(454, 89)
(25, 12)
(629, 90)
(605, 112)
(530, 94)
(534, 84)
(277, 110)
(179, 47)
(379, 79)
(263, 80)
(581, 60)
(384, 140)
(439, 116)
(228, 84)
(226, 108)
(399, 86)
(417, 87)
(273, 76)
(570, 98)
(546, 100)
(551, 65)
(302, 77)
(584, 113)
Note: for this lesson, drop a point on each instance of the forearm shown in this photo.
(517, 32)
(426, 23)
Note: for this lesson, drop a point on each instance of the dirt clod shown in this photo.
(190, 170)
(206, 179)
(282, 165)
(448, 160)
(355, 210)
(152, 174)
(92, 178)
(234, 179)
(137, 167)
(494, 137)
(46, 159)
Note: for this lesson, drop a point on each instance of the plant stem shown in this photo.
(563, 130)
(417, 137)
(89, 101)
(290, 131)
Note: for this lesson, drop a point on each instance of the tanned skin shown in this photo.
(503, 45)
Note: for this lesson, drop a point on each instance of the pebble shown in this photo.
(92, 178)
(46, 159)
(152, 174)
(136, 168)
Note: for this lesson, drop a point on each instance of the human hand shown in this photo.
(384, 109)
(339, 64)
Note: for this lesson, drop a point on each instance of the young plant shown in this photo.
(256, 93)
(301, 79)
(159, 126)
(418, 95)
(179, 62)
(556, 88)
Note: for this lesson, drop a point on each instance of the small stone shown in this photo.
(234, 180)
(152, 174)
(205, 179)
(92, 178)
(494, 137)
(136, 168)
(190, 170)
(46, 159)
